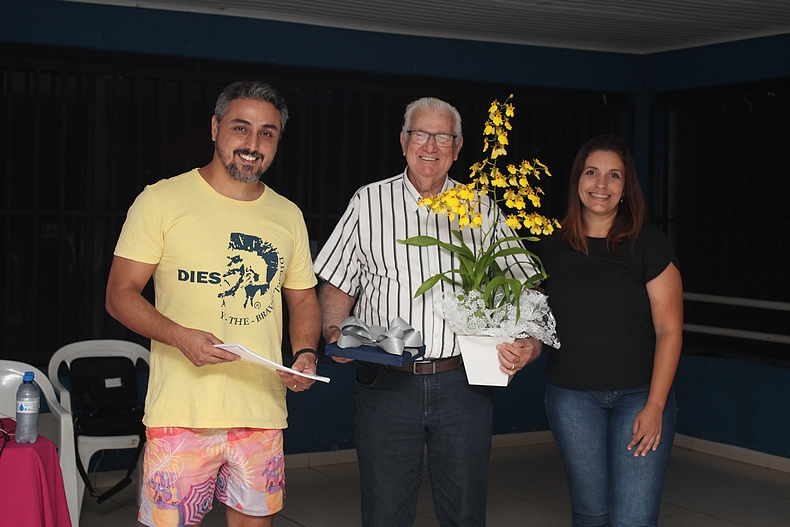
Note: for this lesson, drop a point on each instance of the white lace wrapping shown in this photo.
(467, 315)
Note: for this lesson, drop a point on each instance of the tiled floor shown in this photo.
(526, 488)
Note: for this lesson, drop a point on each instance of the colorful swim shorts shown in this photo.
(185, 468)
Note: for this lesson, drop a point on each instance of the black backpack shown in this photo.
(104, 395)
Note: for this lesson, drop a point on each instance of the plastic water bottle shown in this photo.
(28, 401)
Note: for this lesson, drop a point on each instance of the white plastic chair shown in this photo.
(11, 373)
(89, 445)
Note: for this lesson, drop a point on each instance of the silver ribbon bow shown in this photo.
(399, 336)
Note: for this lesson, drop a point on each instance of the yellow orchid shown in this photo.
(498, 151)
(479, 269)
(451, 201)
(499, 180)
(466, 193)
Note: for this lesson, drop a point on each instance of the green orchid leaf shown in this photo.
(432, 281)
(539, 266)
(532, 281)
(499, 282)
(516, 286)
(428, 284)
(516, 238)
(466, 251)
(511, 251)
(496, 270)
(459, 237)
(429, 241)
(420, 241)
(492, 252)
(466, 271)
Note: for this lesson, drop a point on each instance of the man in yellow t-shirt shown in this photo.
(223, 249)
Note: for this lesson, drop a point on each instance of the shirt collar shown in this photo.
(415, 195)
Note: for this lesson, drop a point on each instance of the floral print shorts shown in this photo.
(185, 468)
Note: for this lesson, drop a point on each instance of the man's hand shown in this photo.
(514, 357)
(331, 335)
(335, 307)
(304, 363)
(198, 347)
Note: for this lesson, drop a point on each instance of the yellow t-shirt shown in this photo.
(221, 266)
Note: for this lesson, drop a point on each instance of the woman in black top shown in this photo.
(615, 290)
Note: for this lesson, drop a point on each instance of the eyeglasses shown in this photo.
(420, 138)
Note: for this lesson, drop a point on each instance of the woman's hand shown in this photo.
(646, 431)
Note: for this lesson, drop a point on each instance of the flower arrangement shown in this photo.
(493, 303)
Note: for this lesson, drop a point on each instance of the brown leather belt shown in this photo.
(429, 367)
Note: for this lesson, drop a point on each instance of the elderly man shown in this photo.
(223, 250)
(401, 410)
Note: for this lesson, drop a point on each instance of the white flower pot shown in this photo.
(481, 360)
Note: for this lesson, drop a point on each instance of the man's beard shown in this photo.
(245, 176)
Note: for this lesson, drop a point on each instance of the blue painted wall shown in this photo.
(140, 30)
(721, 64)
(721, 400)
(734, 402)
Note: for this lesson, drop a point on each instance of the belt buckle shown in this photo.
(415, 363)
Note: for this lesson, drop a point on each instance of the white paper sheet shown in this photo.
(247, 354)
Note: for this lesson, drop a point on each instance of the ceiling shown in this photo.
(623, 26)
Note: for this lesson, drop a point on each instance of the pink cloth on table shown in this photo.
(31, 484)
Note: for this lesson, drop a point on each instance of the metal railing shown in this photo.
(737, 333)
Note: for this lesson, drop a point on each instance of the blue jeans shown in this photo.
(396, 416)
(608, 485)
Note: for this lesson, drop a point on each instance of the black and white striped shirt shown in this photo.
(363, 258)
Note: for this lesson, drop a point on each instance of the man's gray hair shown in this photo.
(432, 103)
(255, 90)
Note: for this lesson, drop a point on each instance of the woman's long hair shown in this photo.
(631, 213)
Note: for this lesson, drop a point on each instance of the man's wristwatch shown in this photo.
(306, 350)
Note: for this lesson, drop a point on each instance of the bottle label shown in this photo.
(27, 407)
